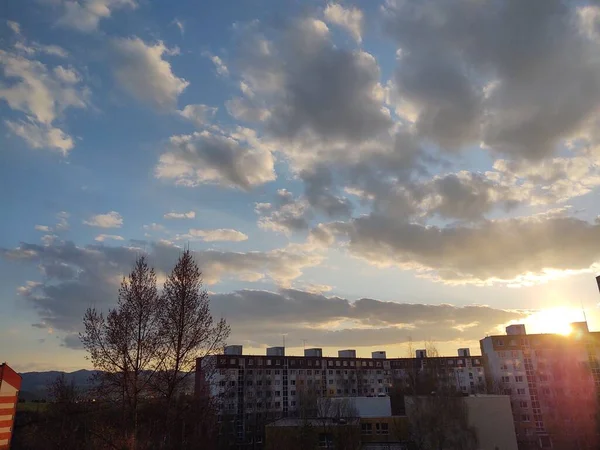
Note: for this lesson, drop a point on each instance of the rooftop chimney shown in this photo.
(233, 350)
(515, 330)
(347, 354)
(378, 355)
(276, 351)
(313, 352)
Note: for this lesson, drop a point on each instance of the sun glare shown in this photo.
(557, 320)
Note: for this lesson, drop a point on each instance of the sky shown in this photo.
(368, 175)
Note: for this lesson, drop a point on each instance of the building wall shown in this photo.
(552, 381)
(254, 387)
(491, 417)
(10, 383)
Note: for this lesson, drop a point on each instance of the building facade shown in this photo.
(255, 389)
(552, 381)
(10, 384)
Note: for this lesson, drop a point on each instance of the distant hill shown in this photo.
(35, 384)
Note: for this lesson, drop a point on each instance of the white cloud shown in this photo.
(221, 234)
(62, 223)
(32, 48)
(220, 66)
(183, 215)
(179, 24)
(199, 114)
(14, 26)
(42, 135)
(154, 227)
(41, 93)
(84, 15)
(140, 69)
(348, 18)
(44, 228)
(104, 237)
(111, 219)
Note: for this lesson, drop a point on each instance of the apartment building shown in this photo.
(10, 383)
(258, 388)
(552, 380)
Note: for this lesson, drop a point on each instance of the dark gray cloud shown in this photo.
(211, 158)
(494, 250)
(334, 321)
(526, 73)
(75, 278)
(314, 87)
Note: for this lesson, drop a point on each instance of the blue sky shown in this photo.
(349, 173)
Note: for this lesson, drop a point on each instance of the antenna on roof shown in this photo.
(304, 343)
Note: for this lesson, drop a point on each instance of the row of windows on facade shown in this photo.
(338, 363)
(292, 392)
(310, 372)
(301, 382)
(269, 394)
(380, 428)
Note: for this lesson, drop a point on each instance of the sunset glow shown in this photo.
(556, 320)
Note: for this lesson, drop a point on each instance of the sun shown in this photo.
(555, 320)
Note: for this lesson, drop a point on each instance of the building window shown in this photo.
(506, 379)
(499, 342)
(521, 391)
(277, 404)
(293, 382)
(301, 372)
(277, 362)
(292, 392)
(268, 362)
(366, 428)
(325, 440)
(524, 417)
(277, 393)
(293, 403)
(330, 381)
(523, 404)
(519, 378)
(309, 372)
(278, 372)
(337, 363)
(268, 372)
(331, 372)
(330, 363)
(277, 382)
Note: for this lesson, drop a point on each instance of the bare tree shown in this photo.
(125, 347)
(187, 326)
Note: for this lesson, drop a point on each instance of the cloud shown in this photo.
(211, 158)
(111, 219)
(179, 24)
(312, 88)
(333, 321)
(85, 15)
(515, 251)
(44, 228)
(75, 277)
(42, 94)
(62, 223)
(199, 114)
(155, 227)
(41, 136)
(220, 66)
(104, 237)
(183, 215)
(14, 26)
(287, 215)
(221, 234)
(349, 19)
(140, 70)
(478, 73)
